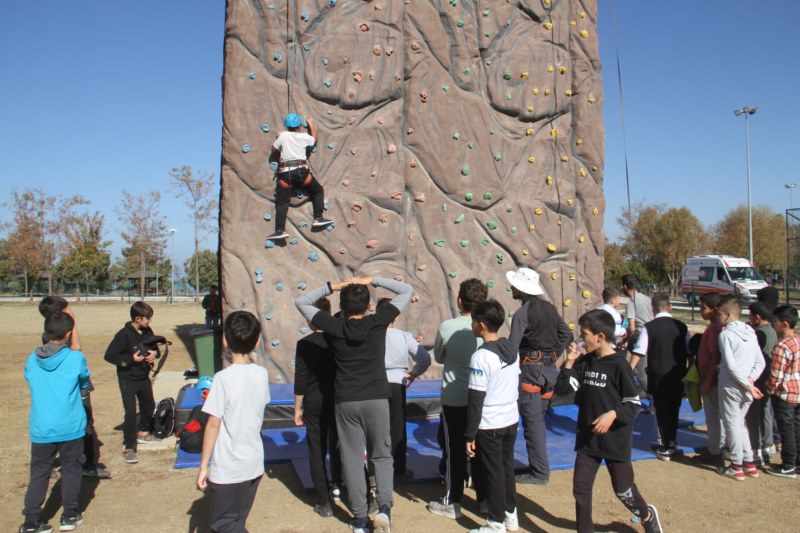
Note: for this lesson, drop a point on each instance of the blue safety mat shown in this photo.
(289, 444)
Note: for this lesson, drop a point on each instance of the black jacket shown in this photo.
(123, 347)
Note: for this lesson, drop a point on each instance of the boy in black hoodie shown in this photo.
(608, 402)
(133, 374)
(492, 415)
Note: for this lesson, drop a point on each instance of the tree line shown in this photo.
(58, 244)
(657, 240)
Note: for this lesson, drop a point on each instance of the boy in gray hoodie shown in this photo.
(741, 363)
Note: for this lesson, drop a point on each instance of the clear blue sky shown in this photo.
(99, 96)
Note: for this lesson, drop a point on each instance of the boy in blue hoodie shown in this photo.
(56, 376)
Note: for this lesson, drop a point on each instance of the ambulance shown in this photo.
(724, 274)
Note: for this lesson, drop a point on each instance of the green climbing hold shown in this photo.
(444, 208)
(487, 196)
(469, 196)
(488, 63)
(471, 145)
(485, 242)
(508, 96)
(460, 218)
(456, 136)
(491, 132)
(509, 209)
(506, 75)
(465, 71)
(500, 258)
(498, 156)
(452, 274)
(490, 283)
(439, 243)
(510, 314)
(488, 34)
(513, 229)
(445, 88)
(460, 23)
(492, 225)
(453, 3)
(464, 243)
(486, 12)
(465, 170)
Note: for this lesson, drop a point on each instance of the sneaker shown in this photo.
(529, 479)
(38, 527)
(69, 523)
(750, 469)
(383, 521)
(490, 527)
(359, 525)
(278, 235)
(654, 524)
(324, 510)
(758, 458)
(665, 453)
(96, 471)
(129, 456)
(321, 222)
(709, 459)
(782, 471)
(147, 438)
(447, 510)
(734, 472)
(511, 522)
(336, 493)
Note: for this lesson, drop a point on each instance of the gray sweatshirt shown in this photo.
(741, 362)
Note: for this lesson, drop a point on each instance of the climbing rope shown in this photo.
(622, 109)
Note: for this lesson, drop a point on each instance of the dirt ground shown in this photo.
(153, 497)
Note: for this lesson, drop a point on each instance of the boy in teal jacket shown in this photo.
(55, 375)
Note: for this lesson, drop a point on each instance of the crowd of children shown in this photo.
(351, 376)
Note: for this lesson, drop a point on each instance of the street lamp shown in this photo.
(791, 187)
(172, 273)
(747, 111)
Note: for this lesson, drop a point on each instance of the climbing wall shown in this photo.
(457, 139)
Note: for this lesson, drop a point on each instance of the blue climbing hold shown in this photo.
(268, 316)
(252, 75)
(279, 287)
(269, 244)
(293, 241)
(274, 165)
(306, 47)
(327, 83)
(271, 7)
(331, 3)
(324, 60)
(330, 146)
(302, 285)
(329, 228)
(265, 128)
(303, 224)
(313, 257)
(276, 342)
(277, 57)
(304, 16)
(325, 206)
(304, 330)
(267, 217)
(259, 279)
(245, 148)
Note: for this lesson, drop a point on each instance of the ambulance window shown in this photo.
(706, 274)
(721, 275)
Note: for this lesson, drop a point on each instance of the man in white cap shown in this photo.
(541, 335)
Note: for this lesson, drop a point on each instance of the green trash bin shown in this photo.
(208, 348)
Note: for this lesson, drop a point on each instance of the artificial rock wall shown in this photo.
(457, 139)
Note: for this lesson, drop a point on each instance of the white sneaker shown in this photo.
(447, 510)
(511, 522)
(490, 527)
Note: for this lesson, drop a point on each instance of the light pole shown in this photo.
(172, 269)
(791, 187)
(747, 111)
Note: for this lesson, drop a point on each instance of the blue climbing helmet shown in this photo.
(204, 383)
(292, 120)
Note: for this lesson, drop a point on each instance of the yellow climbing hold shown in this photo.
(538, 211)
(570, 201)
(564, 158)
(567, 302)
(551, 247)
(529, 132)
(582, 239)
(531, 227)
(568, 92)
(549, 180)
(524, 251)
(554, 276)
(594, 168)
(558, 221)
(582, 15)
(547, 92)
(531, 159)
(548, 25)
(530, 109)
(592, 99)
(547, 2)
(584, 34)
(562, 69)
(595, 211)
(550, 68)
(554, 133)
(535, 90)
(571, 326)
(583, 172)
(579, 142)
(586, 295)
(524, 75)
(572, 23)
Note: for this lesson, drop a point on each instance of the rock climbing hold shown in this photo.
(568, 92)
(439, 243)
(419, 197)
(398, 277)
(376, 50)
(259, 278)
(547, 92)
(414, 299)
(535, 90)
(324, 60)
(490, 283)
(530, 109)
(465, 71)
(531, 227)
(413, 163)
(342, 251)
(389, 51)
(592, 99)
(353, 150)
(558, 221)
(500, 258)
(327, 83)
(303, 224)
(452, 274)
(586, 295)
(293, 241)
(456, 136)
(397, 196)
(383, 218)
(508, 96)
(267, 217)
(594, 168)
(265, 128)
(269, 244)
(464, 243)
(331, 3)
(485, 242)
(453, 3)
(345, 182)
(583, 172)
(303, 330)
(584, 34)
(572, 277)
(356, 206)
(271, 7)
(550, 68)
(562, 69)
(524, 251)
(245, 148)
(492, 225)
(465, 170)
(445, 88)
(252, 75)
(487, 34)
(372, 244)
(302, 285)
(487, 196)
(363, 26)
(551, 248)
(548, 25)
(567, 302)
(279, 287)
(471, 145)
(509, 209)
(306, 47)
(524, 75)
(549, 180)
(529, 132)
(564, 158)
(486, 12)
(469, 196)
(488, 63)
(277, 57)
(582, 239)
(554, 132)
(460, 23)
(498, 156)
(422, 267)
(514, 229)
(579, 141)
(444, 208)
(313, 257)
(571, 326)
(570, 201)
(276, 342)
(423, 96)
(595, 211)
(582, 15)
(506, 75)
(268, 316)
(531, 159)
(538, 211)
(391, 149)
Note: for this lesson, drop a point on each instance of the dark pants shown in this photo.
(788, 417)
(531, 410)
(454, 423)
(496, 448)
(90, 443)
(397, 426)
(133, 390)
(322, 438)
(42, 458)
(284, 194)
(621, 480)
(667, 393)
(230, 505)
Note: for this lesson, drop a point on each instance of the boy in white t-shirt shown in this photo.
(232, 440)
(610, 303)
(492, 415)
(292, 148)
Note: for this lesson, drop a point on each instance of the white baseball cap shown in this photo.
(525, 280)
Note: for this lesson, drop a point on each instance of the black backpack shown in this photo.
(164, 418)
(191, 436)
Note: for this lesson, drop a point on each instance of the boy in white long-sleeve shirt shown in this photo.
(741, 364)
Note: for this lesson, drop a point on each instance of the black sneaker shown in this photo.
(278, 235)
(38, 527)
(324, 510)
(69, 523)
(529, 479)
(321, 222)
(786, 471)
(654, 524)
(665, 453)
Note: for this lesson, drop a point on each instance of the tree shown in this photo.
(195, 191)
(661, 239)
(615, 265)
(145, 229)
(769, 236)
(86, 258)
(206, 265)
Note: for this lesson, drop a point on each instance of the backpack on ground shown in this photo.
(164, 418)
(190, 437)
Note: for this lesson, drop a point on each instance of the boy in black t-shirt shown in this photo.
(607, 402)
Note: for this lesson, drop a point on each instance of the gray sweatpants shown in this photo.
(733, 406)
(363, 426)
(714, 429)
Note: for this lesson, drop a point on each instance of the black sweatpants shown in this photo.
(283, 195)
(323, 439)
(788, 417)
(496, 453)
(397, 426)
(667, 393)
(454, 421)
(90, 444)
(230, 505)
(621, 480)
(133, 390)
(43, 457)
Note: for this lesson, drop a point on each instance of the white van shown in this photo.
(724, 274)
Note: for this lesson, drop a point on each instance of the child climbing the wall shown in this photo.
(399, 345)
(292, 148)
